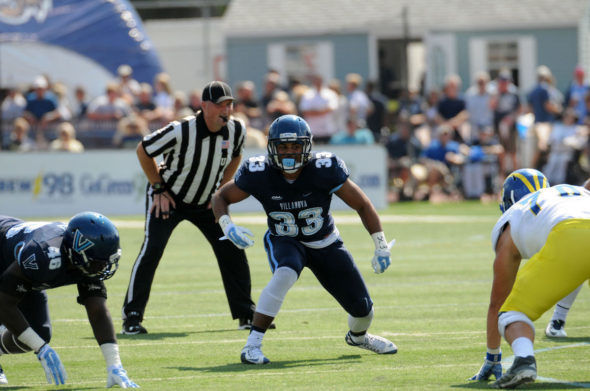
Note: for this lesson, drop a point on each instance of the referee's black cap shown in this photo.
(217, 92)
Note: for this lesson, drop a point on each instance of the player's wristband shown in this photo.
(495, 358)
(224, 222)
(31, 339)
(110, 351)
(158, 187)
(494, 355)
(379, 240)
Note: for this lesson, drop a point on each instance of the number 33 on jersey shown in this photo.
(299, 209)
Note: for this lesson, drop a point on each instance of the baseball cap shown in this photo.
(40, 82)
(505, 75)
(124, 70)
(354, 78)
(216, 92)
(543, 71)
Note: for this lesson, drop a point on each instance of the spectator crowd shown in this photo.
(447, 144)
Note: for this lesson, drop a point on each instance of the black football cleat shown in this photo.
(246, 324)
(132, 326)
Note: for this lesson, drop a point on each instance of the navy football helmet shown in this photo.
(520, 183)
(91, 242)
(289, 129)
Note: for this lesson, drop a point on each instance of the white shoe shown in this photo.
(3, 379)
(556, 329)
(253, 355)
(373, 343)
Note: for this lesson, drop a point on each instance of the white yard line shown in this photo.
(250, 372)
(207, 374)
(246, 373)
(508, 361)
(348, 220)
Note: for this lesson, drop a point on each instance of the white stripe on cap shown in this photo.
(211, 92)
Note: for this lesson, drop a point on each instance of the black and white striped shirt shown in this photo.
(194, 157)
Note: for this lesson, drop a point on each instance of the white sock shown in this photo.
(522, 347)
(358, 338)
(360, 325)
(255, 338)
(563, 306)
(560, 313)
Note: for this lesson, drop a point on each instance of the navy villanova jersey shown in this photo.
(300, 209)
(36, 248)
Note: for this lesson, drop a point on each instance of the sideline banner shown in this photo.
(78, 42)
(63, 184)
(111, 182)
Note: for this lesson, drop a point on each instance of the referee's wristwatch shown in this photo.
(159, 187)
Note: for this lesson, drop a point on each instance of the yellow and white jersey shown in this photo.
(532, 218)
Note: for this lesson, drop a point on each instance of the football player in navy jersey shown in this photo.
(295, 188)
(35, 256)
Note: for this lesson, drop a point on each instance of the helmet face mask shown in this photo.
(283, 132)
(520, 183)
(103, 269)
(91, 242)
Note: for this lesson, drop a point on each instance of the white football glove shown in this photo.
(239, 236)
(117, 375)
(381, 259)
(54, 369)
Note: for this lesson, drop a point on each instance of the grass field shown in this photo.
(431, 302)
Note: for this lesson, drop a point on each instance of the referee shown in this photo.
(200, 153)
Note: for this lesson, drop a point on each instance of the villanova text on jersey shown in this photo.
(299, 208)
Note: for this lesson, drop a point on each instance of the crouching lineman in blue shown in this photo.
(36, 256)
(295, 188)
(550, 226)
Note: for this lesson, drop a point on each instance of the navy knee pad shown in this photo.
(361, 308)
(43, 331)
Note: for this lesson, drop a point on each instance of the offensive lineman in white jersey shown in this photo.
(556, 326)
(551, 226)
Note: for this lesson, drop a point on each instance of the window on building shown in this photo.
(296, 61)
(179, 9)
(503, 55)
(301, 61)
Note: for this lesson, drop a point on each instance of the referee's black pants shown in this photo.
(232, 261)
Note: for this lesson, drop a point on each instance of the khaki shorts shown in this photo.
(541, 133)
